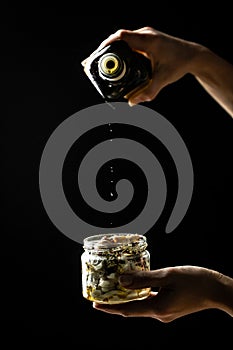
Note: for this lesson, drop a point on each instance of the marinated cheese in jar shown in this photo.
(105, 258)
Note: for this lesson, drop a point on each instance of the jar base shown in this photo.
(120, 301)
(136, 295)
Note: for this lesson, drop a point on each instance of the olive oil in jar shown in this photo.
(105, 258)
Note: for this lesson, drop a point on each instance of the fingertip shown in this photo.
(95, 305)
(133, 102)
(84, 62)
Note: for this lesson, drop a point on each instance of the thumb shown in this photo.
(144, 279)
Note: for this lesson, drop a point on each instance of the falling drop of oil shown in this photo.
(111, 175)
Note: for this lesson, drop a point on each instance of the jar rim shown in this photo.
(115, 239)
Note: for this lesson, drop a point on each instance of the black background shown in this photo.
(43, 84)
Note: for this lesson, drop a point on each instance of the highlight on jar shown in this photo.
(105, 258)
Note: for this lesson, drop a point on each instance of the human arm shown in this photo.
(172, 58)
(182, 290)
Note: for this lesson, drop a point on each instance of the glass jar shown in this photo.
(105, 258)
